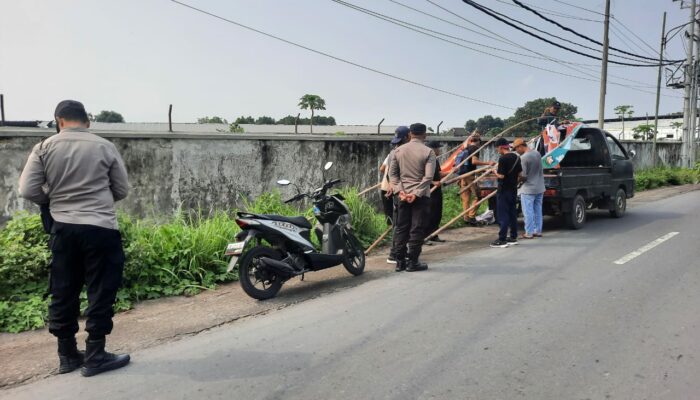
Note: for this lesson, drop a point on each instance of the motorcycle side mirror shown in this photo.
(283, 182)
(632, 153)
(328, 165)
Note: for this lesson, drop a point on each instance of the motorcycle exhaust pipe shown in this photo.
(278, 267)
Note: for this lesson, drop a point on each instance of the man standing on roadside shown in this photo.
(470, 197)
(507, 171)
(389, 199)
(532, 190)
(410, 174)
(80, 176)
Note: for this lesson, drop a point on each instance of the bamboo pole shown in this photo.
(464, 189)
(369, 188)
(468, 174)
(455, 219)
(456, 167)
(376, 242)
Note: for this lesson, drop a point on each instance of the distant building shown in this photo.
(665, 132)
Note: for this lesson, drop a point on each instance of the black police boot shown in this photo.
(69, 357)
(97, 360)
(415, 265)
(400, 265)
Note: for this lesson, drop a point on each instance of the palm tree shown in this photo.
(312, 102)
(621, 111)
(676, 125)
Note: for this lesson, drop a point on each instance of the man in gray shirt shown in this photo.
(532, 190)
(80, 176)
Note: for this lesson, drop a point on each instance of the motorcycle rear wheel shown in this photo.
(354, 261)
(260, 285)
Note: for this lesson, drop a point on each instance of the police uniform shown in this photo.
(411, 172)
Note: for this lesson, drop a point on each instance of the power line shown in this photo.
(583, 36)
(630, 43)
(520, 46)
(338, 58)
(552, 12)
(580, 8)
(653, 50)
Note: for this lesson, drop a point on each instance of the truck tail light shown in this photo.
(550, 192)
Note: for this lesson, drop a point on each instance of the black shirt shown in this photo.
(470, 165)
(436, 176)
(509, 166)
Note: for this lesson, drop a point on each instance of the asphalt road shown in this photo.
(555, 318)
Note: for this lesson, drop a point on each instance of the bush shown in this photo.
(664, 176)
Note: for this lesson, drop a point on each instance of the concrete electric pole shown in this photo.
(604, 69)
(658, 89)
(688, 115)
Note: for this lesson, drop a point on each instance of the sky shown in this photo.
(138, 56)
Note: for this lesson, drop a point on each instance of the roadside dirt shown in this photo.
(32, 355)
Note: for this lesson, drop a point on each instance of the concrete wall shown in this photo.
(219, 171)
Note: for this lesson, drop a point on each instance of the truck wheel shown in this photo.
(620, 204)
(577, 217)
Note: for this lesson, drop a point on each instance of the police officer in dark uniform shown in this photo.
(410, 173)
(80, 176)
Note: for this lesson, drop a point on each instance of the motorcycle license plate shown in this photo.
(234, 249)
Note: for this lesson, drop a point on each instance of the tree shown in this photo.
(533, 109)
(470, 125)
(235, 128)
(321, 120)
(643, 132)
(621, 111)
(676, 125)
(244, 120)
(212, 120)
(264, 120)
(312, 102)
(288, 120)
(109, 116)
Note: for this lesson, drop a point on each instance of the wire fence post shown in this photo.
(296, 123)
(379, 126)
(2, 109)
(437, 131)
(170, 118)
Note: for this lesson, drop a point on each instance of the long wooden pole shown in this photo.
(459, 177)
(369, 188)
(455, 219)
(464, 189)
(376, 242)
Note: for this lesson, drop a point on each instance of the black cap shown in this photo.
(556, 104)
(71, 110)
(502, 142)
(434, 144)
(400, 134)
(418, 128)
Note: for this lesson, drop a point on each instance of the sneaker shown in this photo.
(391, 260)
(415, 265)
(437, 239)
(499, 243)
(537, 235)
(512, 242)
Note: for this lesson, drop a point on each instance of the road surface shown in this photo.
(608, 312)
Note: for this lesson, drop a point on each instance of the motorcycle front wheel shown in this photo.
(354, 260)
(259, 283)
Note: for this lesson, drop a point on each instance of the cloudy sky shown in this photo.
(138, 56)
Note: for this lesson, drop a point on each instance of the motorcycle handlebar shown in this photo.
(295, 198)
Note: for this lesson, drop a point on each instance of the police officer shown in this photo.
(410, 173)
(80, 176)
(436, 197)
(389, 199)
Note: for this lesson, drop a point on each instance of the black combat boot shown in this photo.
(97, 360)
(415, 265)
(401, 264)
(69, 357)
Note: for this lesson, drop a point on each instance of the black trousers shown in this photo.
(388, 206)
(84, 255)
(507, 213)
(435, 212)
(410, 227)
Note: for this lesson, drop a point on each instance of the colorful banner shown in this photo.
(449, 163)
(556, 154)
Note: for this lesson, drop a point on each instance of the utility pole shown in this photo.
(694, 99)
(658, 90)
(689, 89)
(604, 69)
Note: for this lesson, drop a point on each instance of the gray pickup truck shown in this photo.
(596, 173)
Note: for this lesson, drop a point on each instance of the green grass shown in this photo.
(665, 176)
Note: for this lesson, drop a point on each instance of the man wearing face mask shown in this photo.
(80, 176)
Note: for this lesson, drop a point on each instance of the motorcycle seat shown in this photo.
(298, 221)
